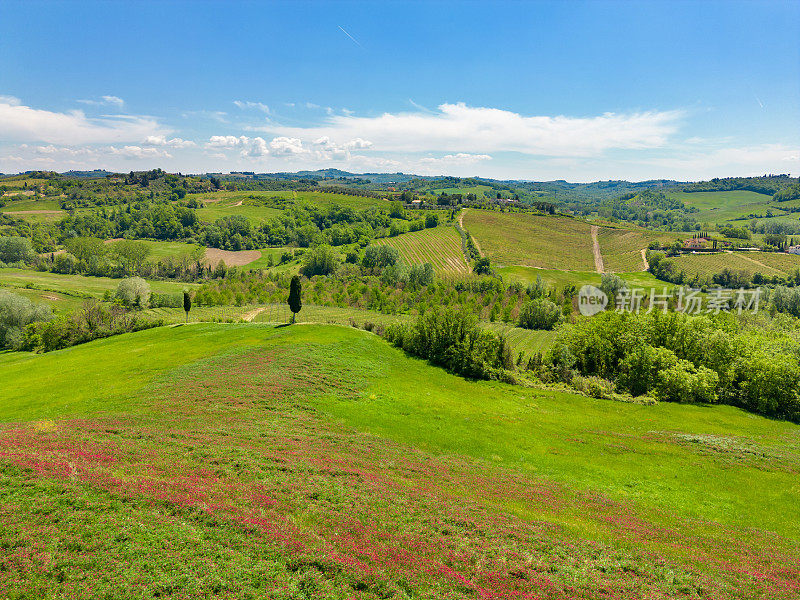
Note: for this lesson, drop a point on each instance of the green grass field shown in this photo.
(240, 205)
(323, 198)
(766, 263)
(559, 279)
(313, 461)
(735, 206)
(531, 240)
(76, 284)
(440, 246)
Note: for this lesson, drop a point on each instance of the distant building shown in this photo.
(695, 243)
(793, 250)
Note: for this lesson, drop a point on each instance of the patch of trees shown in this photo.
(648, 208)
(679, 358)
(92, 321)
(790, 192)
(452, 339)
(766, 184)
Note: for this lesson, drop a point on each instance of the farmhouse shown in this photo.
(793, 250)
(695, 243)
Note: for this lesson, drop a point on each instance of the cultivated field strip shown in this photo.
(440, 246)
(541, 241)
(766, 263)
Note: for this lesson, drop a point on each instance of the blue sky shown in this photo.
(531, 90)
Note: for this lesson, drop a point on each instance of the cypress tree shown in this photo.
(295, 302)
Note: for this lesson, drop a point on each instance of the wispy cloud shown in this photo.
(20, 123)
(462, 128)
(245, 105)
(105, 101)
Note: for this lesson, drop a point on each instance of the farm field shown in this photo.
(531, 240)
(560, 279)
(440, 246)
(313, 197)
(715, 207)
(241, 206)
(766, 263)
(325, 463)
(76, 284)
(622, 248)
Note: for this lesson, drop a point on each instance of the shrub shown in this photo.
(540, 313)
(16, 313)
(14, 249)
(452, 339)
(611, 285)
(377, 258)
(134, 291)
(322, 260)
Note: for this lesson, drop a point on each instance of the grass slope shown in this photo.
(318, 462)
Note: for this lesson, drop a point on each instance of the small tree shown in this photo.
(134, 291)
(295, 302)
(187, 304)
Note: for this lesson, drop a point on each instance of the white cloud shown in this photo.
(244, 105)
(161, 140)
(138, 152)
(462, 158)
(285, 146)
(105, 101)
(20, 123)
(462, 128)
(11, 100)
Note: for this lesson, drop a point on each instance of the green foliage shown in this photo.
(16, 249)
(377, 258)
(482, 266)
(540, 313)
(322, 260)
(611, 285)
(93, 321)
(451, 338)
(16, 313)
(134, 292)
(682, 358)
(295, 296)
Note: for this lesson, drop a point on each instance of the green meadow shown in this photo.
(262, 440)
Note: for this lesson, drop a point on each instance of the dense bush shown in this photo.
(540, 313)
(452, 339)
(93, 321)
(322, 260)
(681, 358)
(377, 258)
(16, 313)
(134, 291)
(16, 249)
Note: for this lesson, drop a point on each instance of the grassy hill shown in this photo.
(317, 461)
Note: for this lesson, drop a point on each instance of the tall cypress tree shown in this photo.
(295, 302)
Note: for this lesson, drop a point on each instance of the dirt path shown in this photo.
(644, 260)
(239, 203)
(34, 212)
(474, 241)
(598, 258)
(249, 316)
